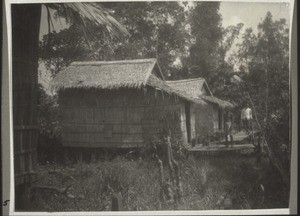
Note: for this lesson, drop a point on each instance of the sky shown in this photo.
(249, 13)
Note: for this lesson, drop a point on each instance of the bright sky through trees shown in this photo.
(252, 13)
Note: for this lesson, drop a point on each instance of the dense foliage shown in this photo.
(156, 30)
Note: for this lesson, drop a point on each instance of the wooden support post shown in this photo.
(174, 171)
(169, 156)
(79, 155)
(106, 155)
(66, 155)
(259, 149)
(161, 181)
(93, 156)
(117, 202)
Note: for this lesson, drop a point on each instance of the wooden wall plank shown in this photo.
(99, 115)
(131, 129)
(132, 138)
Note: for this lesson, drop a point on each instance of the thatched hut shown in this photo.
(120, 104)
(208, 116)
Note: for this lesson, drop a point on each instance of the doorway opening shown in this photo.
(220, 118)
(188, 121)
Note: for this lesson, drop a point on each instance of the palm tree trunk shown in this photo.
(25, 37)
(25, 41)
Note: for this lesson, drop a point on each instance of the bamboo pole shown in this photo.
(174, 170)
(161, 181)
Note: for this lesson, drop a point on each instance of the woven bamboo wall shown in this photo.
(124, 118)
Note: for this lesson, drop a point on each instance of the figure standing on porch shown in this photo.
(243, 118)
(228, 128)
(246, 117)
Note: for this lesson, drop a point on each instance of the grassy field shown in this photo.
(228, 181)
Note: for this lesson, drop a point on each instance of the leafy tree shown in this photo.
(156, 30)
(58, 49)
(206, 31)
(267, 65)
(165, 30)
(264, 59)
(208, 45)
(224, 70)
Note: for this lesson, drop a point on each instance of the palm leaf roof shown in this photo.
(116, 74)
(107, 74)
(195, 88)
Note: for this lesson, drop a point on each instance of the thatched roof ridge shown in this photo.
(191, 86)
(221, 103)
(106, 74)
(186, 80)
(134, 61)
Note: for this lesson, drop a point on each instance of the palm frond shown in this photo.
(93, 12)
(97, 15)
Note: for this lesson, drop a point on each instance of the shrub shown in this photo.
(49, 141)
(207, 182)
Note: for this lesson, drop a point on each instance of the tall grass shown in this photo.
(207, 181)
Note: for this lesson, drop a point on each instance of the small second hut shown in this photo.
(208, 116)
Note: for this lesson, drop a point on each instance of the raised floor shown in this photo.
(241, 143)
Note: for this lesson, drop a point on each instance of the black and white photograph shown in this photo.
(141, 106)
